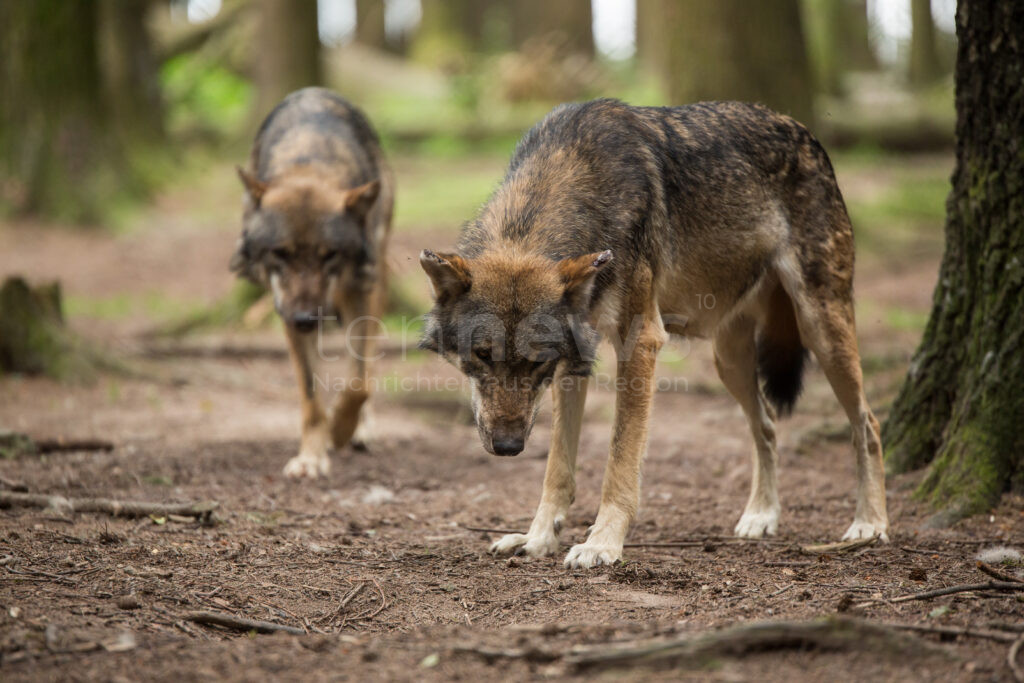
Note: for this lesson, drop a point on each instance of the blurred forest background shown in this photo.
(106, 100)
(121, 120)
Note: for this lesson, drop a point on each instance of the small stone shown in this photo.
(918, 574)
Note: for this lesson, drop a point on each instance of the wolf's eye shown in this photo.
(483, 354)
(281, 253)
(330, 255)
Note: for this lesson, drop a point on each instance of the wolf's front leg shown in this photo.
(620, 493)
(569, 395)
(350, 420)
(312, 460)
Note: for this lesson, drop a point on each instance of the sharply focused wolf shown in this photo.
(316, 218)
(719, 220)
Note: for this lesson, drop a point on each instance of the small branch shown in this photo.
(62, 445)
(492, 531)
(955, 631)
(840, 547)
(1011, 659)
(117, 508)
(996, 574)
(241, 623)
(950, 590)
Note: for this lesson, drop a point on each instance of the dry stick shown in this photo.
(62, 445)
(122, 508)
(491, 531)
(241, 623)
(1011, 659)
(961, 588)
(954, 631)
(996, 574)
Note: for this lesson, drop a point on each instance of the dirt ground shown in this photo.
(384, 563)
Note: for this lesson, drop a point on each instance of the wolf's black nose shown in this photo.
(304, 322)
(509, 445)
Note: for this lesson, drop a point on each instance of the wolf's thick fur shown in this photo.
(316, 220)
(724, 221)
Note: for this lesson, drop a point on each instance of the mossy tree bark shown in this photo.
(961, 410)
(738, 50)
(287, 52)
(55, 149)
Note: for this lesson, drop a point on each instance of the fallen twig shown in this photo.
(64, 445)
(117, 508)
(490, 654)
(996, 574)
(955, 631)
(1011, 659)
(241, 623)
(950, 590)
(840, 547)
(492, 531)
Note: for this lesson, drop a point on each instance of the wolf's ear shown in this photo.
(254, 187)
(578, 273)
(449, 274)
(359, 200)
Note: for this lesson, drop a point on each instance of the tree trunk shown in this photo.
(960, 410)
(370, 24)
(651, 37)
(738, 50)
(287, 52)
(837, 41)
(923, 67)
(131, 69)
(54, 146)
(568, 22)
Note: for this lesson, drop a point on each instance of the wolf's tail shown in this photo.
(780, 353)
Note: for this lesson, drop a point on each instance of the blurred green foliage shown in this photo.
(204, 98)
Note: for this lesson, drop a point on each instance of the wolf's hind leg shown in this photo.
(736, 361)
(569, 395)
(827, 327)
(312, 460)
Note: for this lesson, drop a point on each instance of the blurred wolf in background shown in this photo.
(316, 219)
(720, 220)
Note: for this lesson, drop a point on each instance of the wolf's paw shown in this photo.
(308, 465)
(525, 544)
(864, 529)
(758, 524)
(587, 555)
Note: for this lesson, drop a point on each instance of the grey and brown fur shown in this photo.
(630, 221)
(316, 219)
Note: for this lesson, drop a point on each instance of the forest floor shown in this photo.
(384, 563)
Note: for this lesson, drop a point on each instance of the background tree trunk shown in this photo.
(923, 66)
(370, 24)
(131, 70)
(650, 37)
(54, 145)
(837, 41)
(570, 22)
(960, 410)
(738, 50)
(287, 51)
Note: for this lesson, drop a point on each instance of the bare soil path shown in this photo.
(383, 563)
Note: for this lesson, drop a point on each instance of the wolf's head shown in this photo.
(509, 321)
(303, 238)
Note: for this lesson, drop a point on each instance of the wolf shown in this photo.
(719, 220)
(316, 218)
